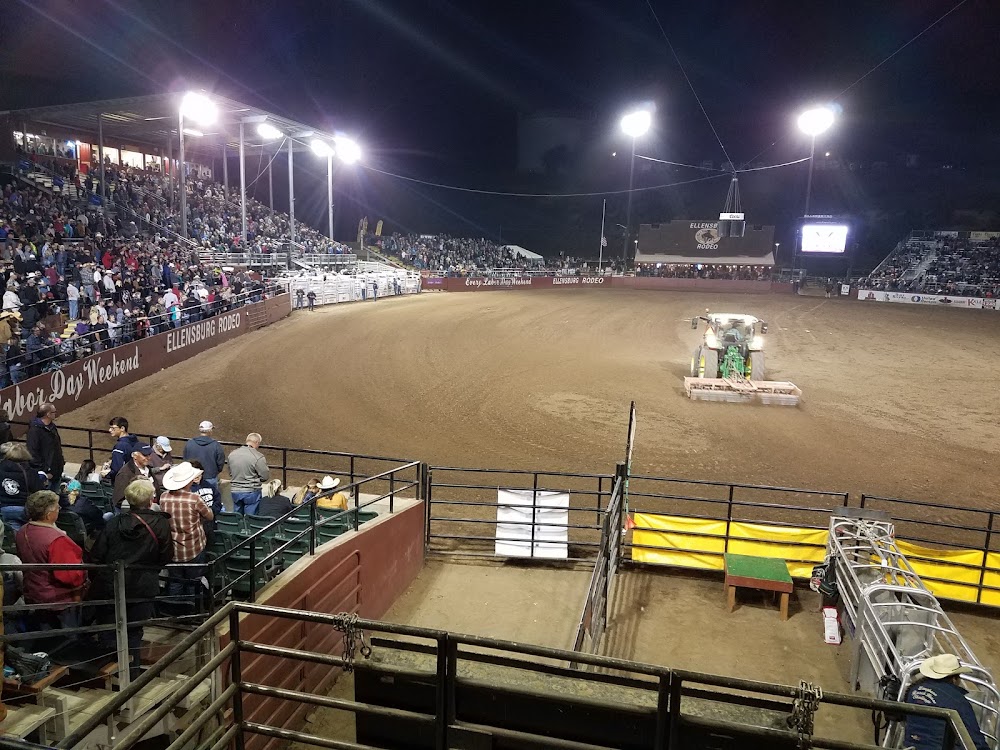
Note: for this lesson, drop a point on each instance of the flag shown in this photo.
(378, 228)
(604, 241)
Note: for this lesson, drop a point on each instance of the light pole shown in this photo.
(202, 111)
(268, 132)
(634, 124)
(344, 149)
(814, 122)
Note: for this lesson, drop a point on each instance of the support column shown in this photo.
(171, 169)
(183, 177)
(225, 170)
(329, 192)
(243, 189)
(291, 189)
(100, 156)
(270, 186)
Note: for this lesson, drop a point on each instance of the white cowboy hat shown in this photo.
(328, 483)
(942, 666)
(180, 476)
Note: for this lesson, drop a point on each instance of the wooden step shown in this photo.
(72, 708)
(24, 718)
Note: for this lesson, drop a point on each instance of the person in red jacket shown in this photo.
(39, 541)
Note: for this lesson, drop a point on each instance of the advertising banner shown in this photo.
(940, 300)
(88, 379)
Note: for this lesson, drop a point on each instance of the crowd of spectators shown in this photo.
(965, 268)
(455, 256)
(164, 510)
(705, 271)
(76, 281)
(952, 266)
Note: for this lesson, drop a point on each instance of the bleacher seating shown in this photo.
(948, 265)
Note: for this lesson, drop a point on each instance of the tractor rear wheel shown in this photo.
(711, 360)
(695, 362)
(757, 366)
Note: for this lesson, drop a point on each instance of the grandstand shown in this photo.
(962, 264)
(291, 601)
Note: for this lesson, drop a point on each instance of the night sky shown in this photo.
(434, 89)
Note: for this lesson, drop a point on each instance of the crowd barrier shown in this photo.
(333, 288)
(500, 283)
(693, 524)
(85, 380)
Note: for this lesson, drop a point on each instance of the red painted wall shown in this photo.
(362, 573)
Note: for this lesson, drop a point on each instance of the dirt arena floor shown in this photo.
(899, 400)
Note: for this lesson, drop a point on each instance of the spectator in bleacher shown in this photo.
(45, 445)
(125, 444)
(90, 514)
(141, 538)
(272, 502)
(186, 510)
(248, 471)
(336, 501)
(137, 467)
(40, 542)
(160, 461)
(17, 481)
(208, 451)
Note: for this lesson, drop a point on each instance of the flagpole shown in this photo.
(600, 257)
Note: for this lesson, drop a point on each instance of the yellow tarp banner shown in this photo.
(698, 543)
(800, 548)
(934, 563)
(679, 541)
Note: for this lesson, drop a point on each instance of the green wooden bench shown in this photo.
(751, 572)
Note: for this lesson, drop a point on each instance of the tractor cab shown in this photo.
(733, 344)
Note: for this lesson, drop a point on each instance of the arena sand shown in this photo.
(899, 400)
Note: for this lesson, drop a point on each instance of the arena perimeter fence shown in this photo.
(676, 522)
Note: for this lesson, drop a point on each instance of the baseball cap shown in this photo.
(164, 443)
(205, 426)
(146, 450)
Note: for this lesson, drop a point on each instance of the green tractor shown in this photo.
(732, 347)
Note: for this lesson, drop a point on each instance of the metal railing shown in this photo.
(962, 528)
(731, 503)
(455, 509)
(445, 703)
(264, 557)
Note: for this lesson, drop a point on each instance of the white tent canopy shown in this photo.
(522, 253)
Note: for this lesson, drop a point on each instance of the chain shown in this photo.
(803, 714)
(353, 636)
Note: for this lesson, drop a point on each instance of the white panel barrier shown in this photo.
(333, 288)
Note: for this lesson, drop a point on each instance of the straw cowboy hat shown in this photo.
(180, 476)
(942, 666)
(328, 483)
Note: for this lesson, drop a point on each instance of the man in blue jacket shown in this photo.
(206, 450)
(125, 444)
(940, 689)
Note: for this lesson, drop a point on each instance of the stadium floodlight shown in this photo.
(635, 124)
(268, 132)
(348, 150)
(199, 108)
(816, 121)
(321, 148)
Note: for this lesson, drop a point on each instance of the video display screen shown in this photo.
(824, 239)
